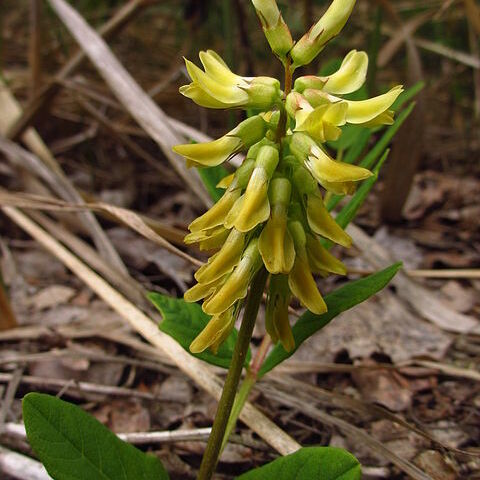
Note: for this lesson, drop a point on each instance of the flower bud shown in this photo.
(308, 81)
(330, 25)
(275, 242)
(276, 30)
(276, 316)
(202, 290)
(215, 333)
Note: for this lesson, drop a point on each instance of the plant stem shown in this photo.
(282, 123)
(212, 452)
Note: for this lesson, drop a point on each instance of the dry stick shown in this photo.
(35, 109)
(126, 89)
(83, 387)
(426, 302)
(21, 467)
(192, 367)
(11, 110)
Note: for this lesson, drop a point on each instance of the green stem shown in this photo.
(212, 452)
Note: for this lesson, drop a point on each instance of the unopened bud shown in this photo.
(276, 30)
(330, 25)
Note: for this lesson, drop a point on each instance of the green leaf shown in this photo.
(337, 302)
(184, 321)
(210, 177)
(310, 463)
(72, 445)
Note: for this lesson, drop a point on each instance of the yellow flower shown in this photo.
(300, 278)
(322, 223)
(277, 323)
(334, 176)
(360, 112)
(330, 25)
(347, 79)
(215, 333)
(253, 206)
(208, 239)
(236, 285)
(275, 242)
(321, 260)
(210, 154)
(224, 261)
(203, 290)
(215, 217)
(219, 87)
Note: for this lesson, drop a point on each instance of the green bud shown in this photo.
(300, 145)
(280, 191)
(268, 159)
(309, 81)
(276, 30)
(250, 131)
(263, 92)
(244, 171)
(330, 25)
(304, 181)
(298, 233)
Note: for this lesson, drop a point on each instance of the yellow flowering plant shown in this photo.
(271, 230)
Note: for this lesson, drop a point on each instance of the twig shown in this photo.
(192, 367)
(10, 395)
(83, 387)
(133, 98)
(21, 467)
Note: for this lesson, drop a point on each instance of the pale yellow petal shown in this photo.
(351, 75)
(236, 285)
(324, 168)
(229, 94)
(216, 215)
(217, 69)
(217, 330)
(366, 110)
(224, 261)
(321, 260)
(253, 207)
(303, 286)
(276, 246)
(225, 182)
(202, 290)
(210, 154)
(322, 223)
(200, 97)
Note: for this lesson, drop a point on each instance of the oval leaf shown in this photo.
(73, 445)
(183, 321)
(310, 463)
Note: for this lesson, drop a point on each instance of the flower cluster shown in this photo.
(272, 214)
